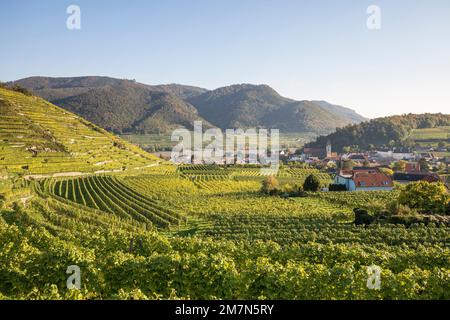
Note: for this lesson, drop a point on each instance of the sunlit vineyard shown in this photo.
(362, 199)
(33, 141)
(110, 195)
(224, 159)
(141, 228)
(207, 235)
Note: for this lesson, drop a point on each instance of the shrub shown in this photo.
(312, 183)
(348, 164)
(270, 186)
(425, 197)
(399, 166)
(418, 219)
(299, 189)
(394, 208)
(291, 191)
(387, 171)
(337, 187)
(21, 89)
(362, 216)
(287, 188)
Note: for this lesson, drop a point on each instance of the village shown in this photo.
(354, 171)
(372, 170)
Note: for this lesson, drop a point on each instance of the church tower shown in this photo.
(328, 149)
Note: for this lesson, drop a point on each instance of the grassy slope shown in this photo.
(62, 141)
(439, 133)
(431, 137)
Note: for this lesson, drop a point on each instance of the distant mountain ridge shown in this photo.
(249, 105)
(121, 106)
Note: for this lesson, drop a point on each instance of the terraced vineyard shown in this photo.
(38, 138)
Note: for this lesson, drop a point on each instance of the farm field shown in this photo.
(431, 137)
(431, 133)
(140, 228)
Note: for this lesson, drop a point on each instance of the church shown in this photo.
(321, 153)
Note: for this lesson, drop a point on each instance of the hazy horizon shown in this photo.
(305, 50)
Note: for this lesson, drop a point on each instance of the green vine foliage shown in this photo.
(230, 244)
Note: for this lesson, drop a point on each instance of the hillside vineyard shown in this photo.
(138, 227)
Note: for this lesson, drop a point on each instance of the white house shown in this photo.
(364, 180)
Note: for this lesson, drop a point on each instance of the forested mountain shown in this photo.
(394, 130)
(124, 108)
(341, 111)
(59, 88)
(128, 106)
(119, 105)
(249, 105)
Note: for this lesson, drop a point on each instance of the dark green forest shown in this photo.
(394, 131)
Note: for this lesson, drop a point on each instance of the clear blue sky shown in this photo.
(303, 49)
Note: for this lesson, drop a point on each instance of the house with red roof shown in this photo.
(364, 180)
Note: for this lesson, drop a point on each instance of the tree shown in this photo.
(21, 89)
(441, 144)
(337, 187)
(424, 166)
(331, 165)
(408, 143)
(354, 148)
(387, 171)
(425, 197)
(287, 189)
(312, 183)
(442, 167)
(399, 166)
(270, 186)
(348, 165)
(392, 144)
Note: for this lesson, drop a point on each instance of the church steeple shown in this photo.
(328, 149)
